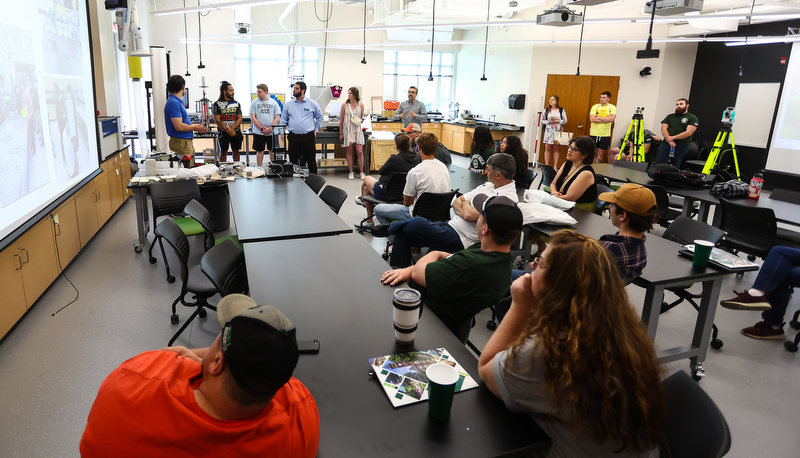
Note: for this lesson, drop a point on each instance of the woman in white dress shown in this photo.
(350, 133)
(553, 118)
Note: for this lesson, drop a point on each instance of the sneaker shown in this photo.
(762, 330)
(368, 225)
(363, 176)
(360, 201)
(351, 176)
(744, 301)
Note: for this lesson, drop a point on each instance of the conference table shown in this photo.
(665, 267)
(338, 299)
(279, 209)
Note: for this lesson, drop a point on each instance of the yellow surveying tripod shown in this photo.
(716, 151)
(637, 141)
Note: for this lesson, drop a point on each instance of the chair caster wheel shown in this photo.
(794, 324)
(152, 260)
(491, 325)
(790, 346)
(137, 249)
(202, 313)
(385, 257)
(173, 318)
(698, 373)
(716, 344)
(171, 279)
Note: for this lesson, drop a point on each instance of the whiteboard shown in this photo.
(755, 106)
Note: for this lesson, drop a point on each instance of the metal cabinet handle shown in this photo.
(580, 126)
(20, 262)
(57, 226)
(27, 255)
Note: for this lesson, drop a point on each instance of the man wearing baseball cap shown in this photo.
(234, 398)
(633, 210)
(442, 153)
(459, 285)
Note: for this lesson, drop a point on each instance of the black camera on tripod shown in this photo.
(639, 113)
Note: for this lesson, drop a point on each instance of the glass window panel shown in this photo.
(407, 70)
(241, 51)
(447, 58)
(389, 57)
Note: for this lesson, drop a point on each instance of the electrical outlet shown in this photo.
(55, 219)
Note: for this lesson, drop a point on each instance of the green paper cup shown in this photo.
(441, 387)
(702, 251)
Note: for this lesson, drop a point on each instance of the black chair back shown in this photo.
(685, 230)
(169, 198)
(640, 166)
(548, 173)
(224, 266)
(173, 234)
(197, 211)
(530, 175)
(748, 229)
(334, 197)
(665, 214)
(601, 205)
(695, 426)
(394, 187)
(315, 182)
(434, 206)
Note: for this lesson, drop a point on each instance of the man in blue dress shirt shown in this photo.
(179, 127)
(303, 117)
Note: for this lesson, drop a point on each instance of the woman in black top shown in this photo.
(513, 145)
(482, 147)
(575, 180)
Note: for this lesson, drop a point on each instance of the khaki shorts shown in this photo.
(181, 146)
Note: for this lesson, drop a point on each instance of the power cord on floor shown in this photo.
(61, 268)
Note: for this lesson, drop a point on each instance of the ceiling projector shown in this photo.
(560, 15)
(670, 7)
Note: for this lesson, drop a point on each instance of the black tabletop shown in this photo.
(337, 297)
(464, 180)
(664, 263)
(617, 173)
(281, 208)
(785, 212)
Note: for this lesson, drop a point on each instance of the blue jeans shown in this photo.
(663, 154)
(391, 212)
(780, 271)
(501, 308)
(420, 232)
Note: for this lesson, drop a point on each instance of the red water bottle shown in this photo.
(755, 186)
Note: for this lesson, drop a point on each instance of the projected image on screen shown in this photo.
(48, 132)
(790, 125)
(784, 152)
(24, 167)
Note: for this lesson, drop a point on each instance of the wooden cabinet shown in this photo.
(86, 213)
(39, 265)
(65, 228)
(13, 306)
(380, 150)
(453, 137)
(387, 126)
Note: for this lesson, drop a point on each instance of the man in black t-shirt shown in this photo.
(228, 116)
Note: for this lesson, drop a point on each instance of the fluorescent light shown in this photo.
(763, 41)
(220, 6)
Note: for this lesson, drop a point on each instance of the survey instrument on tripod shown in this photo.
(712, 163)
(635, 134)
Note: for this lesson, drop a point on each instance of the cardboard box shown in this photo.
(388, 113)
(332, 162)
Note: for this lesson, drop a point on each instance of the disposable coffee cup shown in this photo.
(702, 252)
(406, 302)
(150, 167)
(441, 388)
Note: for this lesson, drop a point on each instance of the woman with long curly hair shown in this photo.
(482, 147)
(573, 353)
(513, 145)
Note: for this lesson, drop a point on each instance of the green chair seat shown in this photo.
(189, 226)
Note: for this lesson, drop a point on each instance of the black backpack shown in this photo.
(669, 176)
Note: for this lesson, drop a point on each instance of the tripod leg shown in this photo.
(639, 157)
(735, 159)
(713, 156)
(625, 140)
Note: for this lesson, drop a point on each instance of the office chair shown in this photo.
(193, 280)
(529, 177)
(600, 205)
(791, 345)
(315, 182)
(640, 166)
(685, 231)
(169, 199)
(394, 195)
(548, 173)
(433, 206)
(334, 197)
(197, 211)
(665, 212)
(695, 426)
(748, 229)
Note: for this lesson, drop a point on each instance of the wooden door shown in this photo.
(577, 94)
(13, 305)
(87, 213)
(65, 221)
(39, 264)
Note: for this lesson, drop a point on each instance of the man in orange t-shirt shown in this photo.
(235, 398)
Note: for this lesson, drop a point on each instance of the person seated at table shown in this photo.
(403, 161)
(458, 285)
(234, 398)
(429, 175)
(650, 139)
(573, 354)
(770, 293)
(460, 232)
(575, 180)
(513, 145)
(481, 149)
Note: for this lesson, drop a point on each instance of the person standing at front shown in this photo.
(228, 116)
(602, 116)
(303, 118)
(412, 110)
(179, 127)
(677, 129)
(264, 113)
(554, 118)
(350, 132)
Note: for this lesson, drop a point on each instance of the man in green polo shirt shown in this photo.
(677, 129)
(457, 286)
